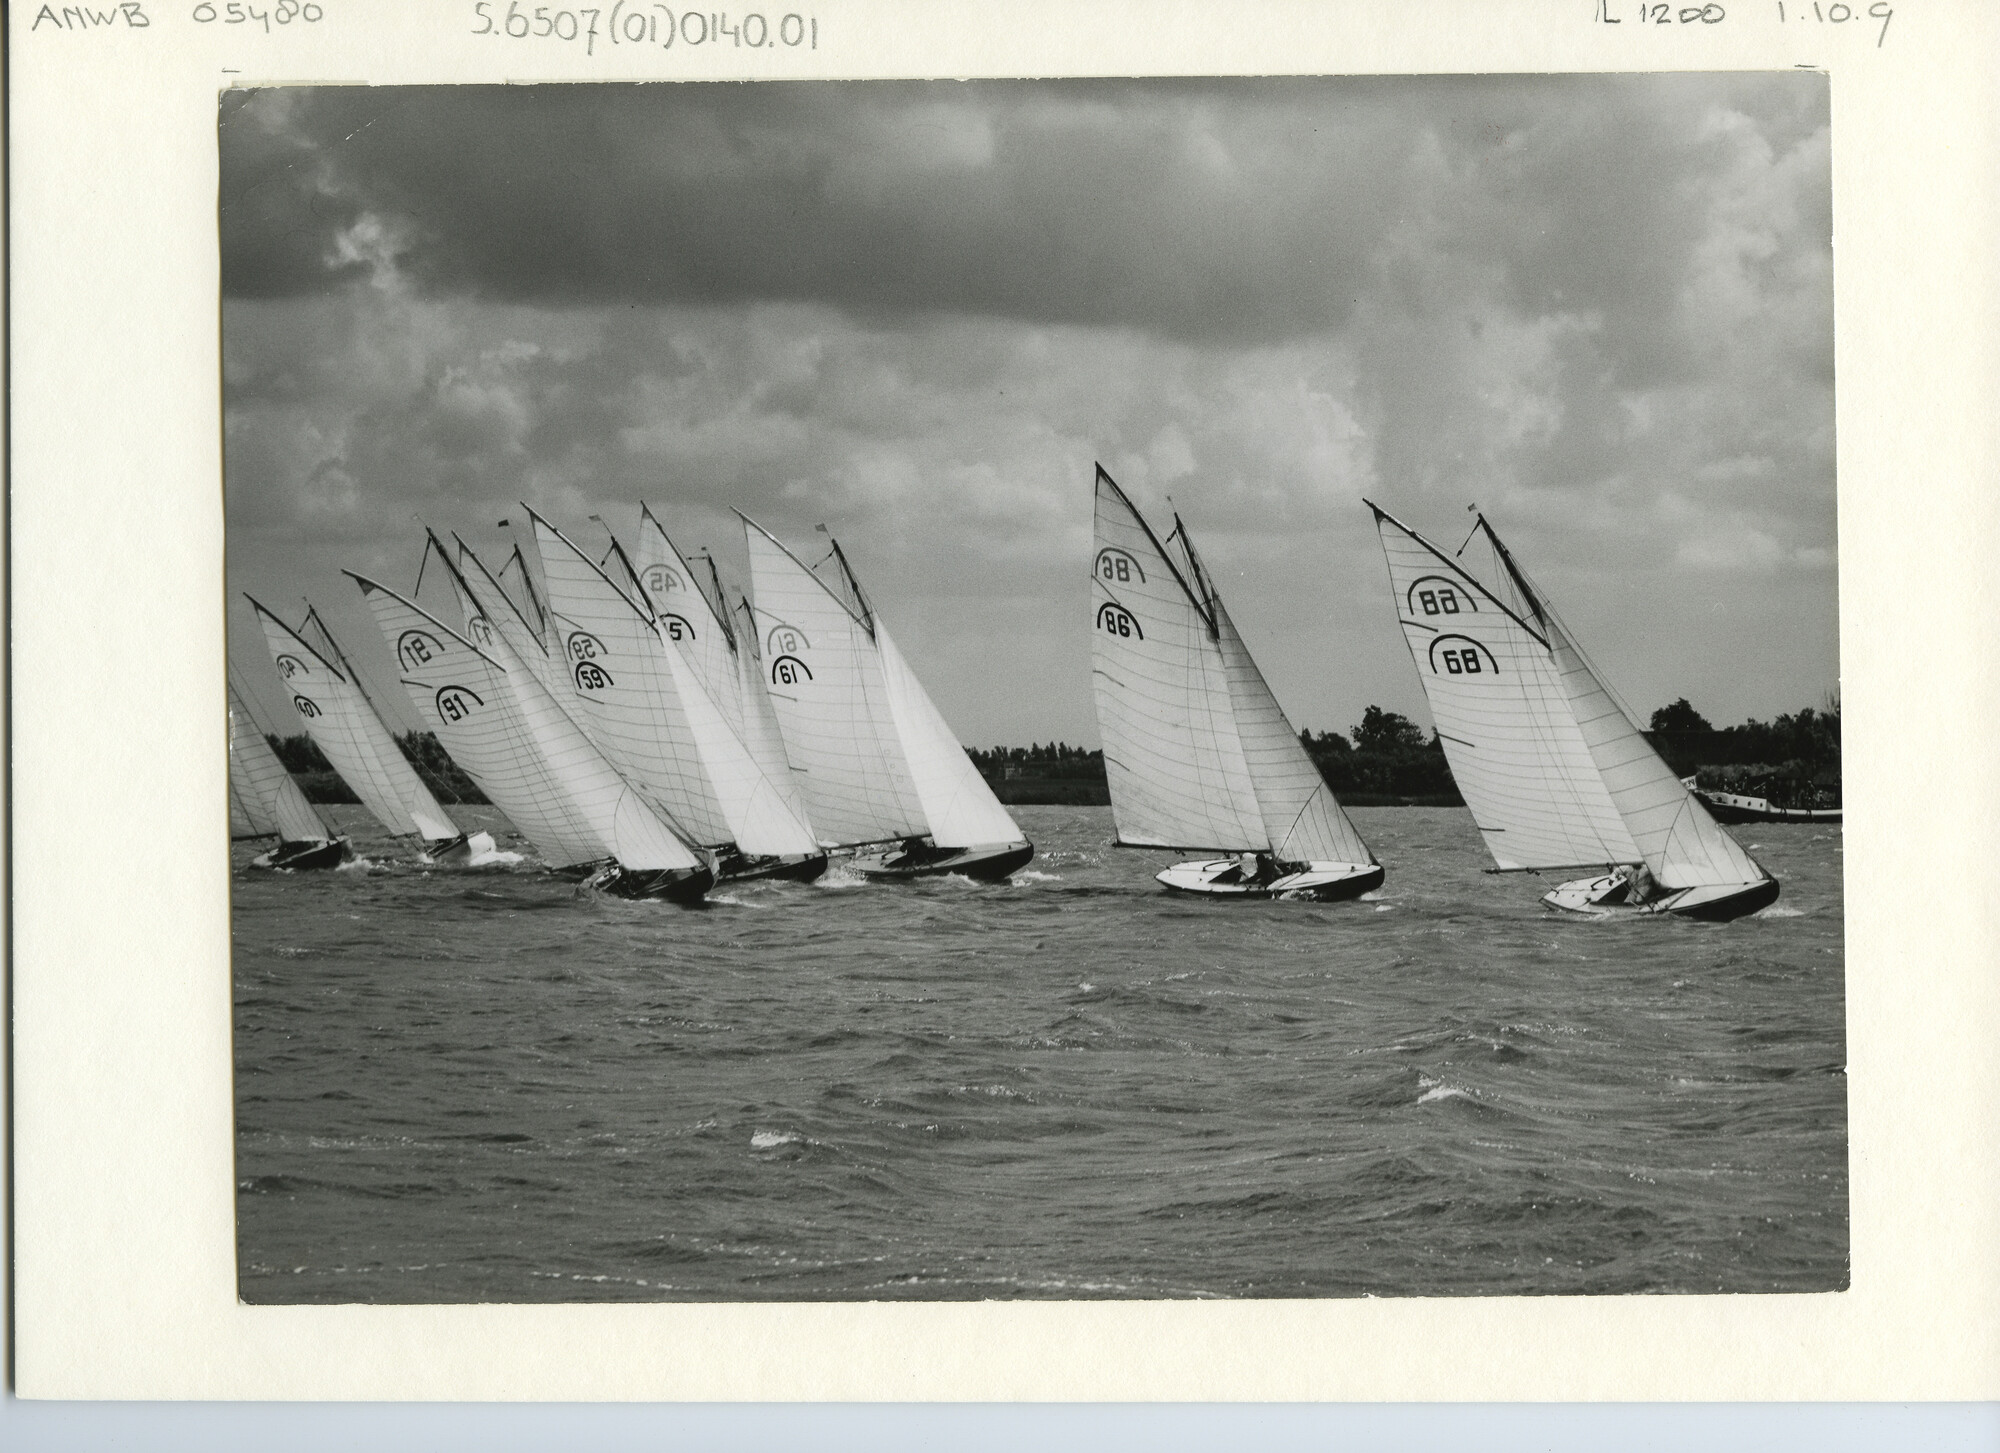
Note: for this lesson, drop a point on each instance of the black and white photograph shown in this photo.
(1071, 689)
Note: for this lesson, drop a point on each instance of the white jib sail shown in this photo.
(1501, 710)
(343, 722)
(960, 807)
(643, 703)
(273, 801)
(824, 677)
(1172, 756)
(529, 754)
(687, 617)
(1304, 820)
(1682, 844)
(248, 816)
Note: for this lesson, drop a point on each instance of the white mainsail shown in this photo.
(761, 734)
(688, 618)
(1554, 771)
(644, 705)
(343, 722)
(492, 618)
(503, 728)
(824, 677)
(1502, 714)
(878, 759)
(262, 793)
(1198, 753)
(1173, 758)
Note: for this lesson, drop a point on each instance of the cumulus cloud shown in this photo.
(1598, 306)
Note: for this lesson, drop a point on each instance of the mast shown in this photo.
(719, 602)
(1514, 571)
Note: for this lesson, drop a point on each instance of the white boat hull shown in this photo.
(1226, 878)
(1610, 893)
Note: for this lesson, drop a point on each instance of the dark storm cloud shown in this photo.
(1197, 209)
(1600, 307)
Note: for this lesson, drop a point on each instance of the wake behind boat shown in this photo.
(1197, 752)
(882, 772)
(1552, 768)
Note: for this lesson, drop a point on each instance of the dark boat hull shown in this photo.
(1224, 879)
(302, 857)
(736, 868)
(671, 885)
(989, 863)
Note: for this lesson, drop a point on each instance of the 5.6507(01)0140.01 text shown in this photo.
(648, 25)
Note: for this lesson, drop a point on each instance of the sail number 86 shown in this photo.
(1443, 598)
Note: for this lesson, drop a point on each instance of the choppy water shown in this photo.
(488, 1086)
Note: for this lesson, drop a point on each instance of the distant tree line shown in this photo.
(446, 779)
(1384, 760)
(1057, 773)
(1793, 761)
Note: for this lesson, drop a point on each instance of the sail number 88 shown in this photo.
(1442, 599)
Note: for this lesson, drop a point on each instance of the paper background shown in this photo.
(123, 1169)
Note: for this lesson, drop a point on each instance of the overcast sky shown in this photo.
(1599, 307)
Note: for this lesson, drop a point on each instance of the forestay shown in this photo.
(1503, 714)
(263, 793)
(825, 681)
(500, 724)
(344, 724)
(1173, 758)
(644, 705)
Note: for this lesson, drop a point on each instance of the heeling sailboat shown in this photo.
(500, 724)
(264, 801)
(644, 706)
(1552, 768)
(878, 762)
(1197, 753)
(342, 720)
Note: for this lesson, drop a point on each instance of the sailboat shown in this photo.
(1554, 771)
(642, 703)
(1197, 752)
(264, 801)
(721, 644)
(499, 723)
(880, 768)
(342, 720)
